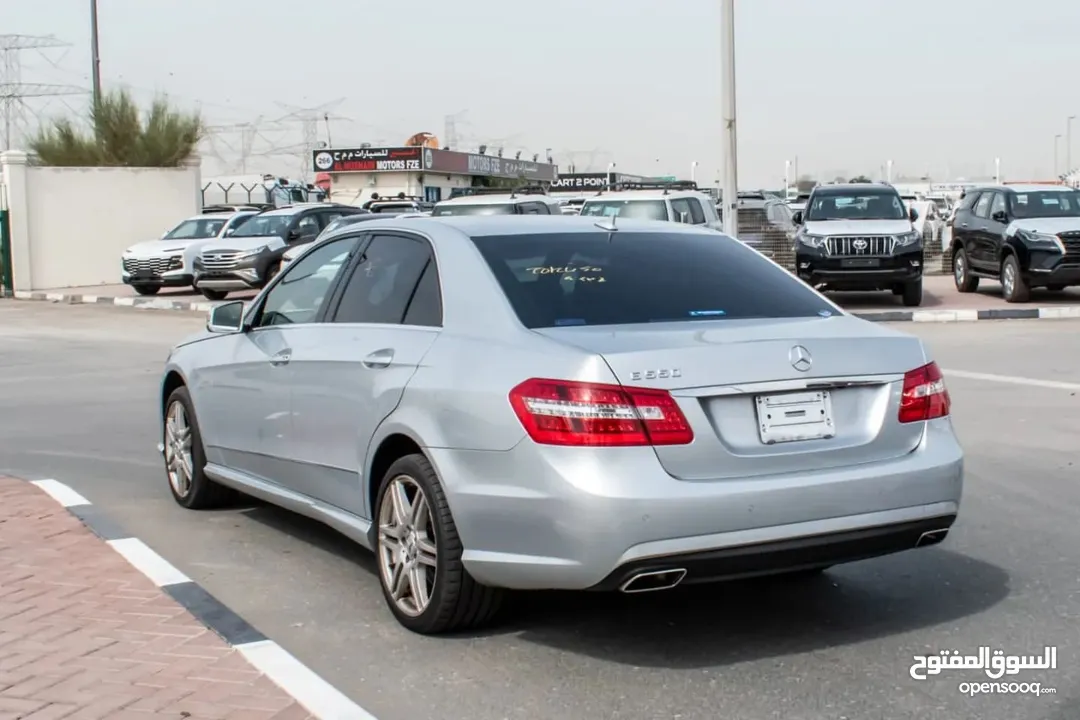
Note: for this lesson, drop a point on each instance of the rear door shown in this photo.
(349, 375)
(978, 231)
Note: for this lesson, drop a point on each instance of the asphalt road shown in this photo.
(77, 388)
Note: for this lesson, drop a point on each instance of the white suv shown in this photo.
(168, 261)
(499, 201)
(679, 202)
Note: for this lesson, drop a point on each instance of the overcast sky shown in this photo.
(844, 85)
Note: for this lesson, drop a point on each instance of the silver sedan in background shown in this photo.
(494, 403)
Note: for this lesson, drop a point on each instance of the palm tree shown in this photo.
(120, 135)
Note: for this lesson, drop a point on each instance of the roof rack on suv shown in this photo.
(521, 190)
(210, 209)
(666, 186)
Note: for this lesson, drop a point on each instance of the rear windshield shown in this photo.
(482, 209)
(643, 209)
(585, 279)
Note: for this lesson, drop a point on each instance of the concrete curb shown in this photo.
(1060, 312)
(308, 689)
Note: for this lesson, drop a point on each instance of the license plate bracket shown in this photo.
(793, 417)
(861, 263)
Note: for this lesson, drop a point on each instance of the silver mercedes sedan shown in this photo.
(538, 402)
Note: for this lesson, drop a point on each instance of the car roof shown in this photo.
(223, 216)
(484, 225)
(846, 188)
(1034, 187)
(644, 195)
(493, 199)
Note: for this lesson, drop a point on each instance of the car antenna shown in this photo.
(609, 225)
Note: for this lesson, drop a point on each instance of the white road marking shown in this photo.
(1012, 380)
(160, 571)
(319, 697)
(61, 493)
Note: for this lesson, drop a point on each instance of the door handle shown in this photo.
(963, 224)
(379, 359)
(281, 358)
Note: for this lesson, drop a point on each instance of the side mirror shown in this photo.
(230, 231)
(797, 217)
(1001, 216)
(913, 214)
(226, 318)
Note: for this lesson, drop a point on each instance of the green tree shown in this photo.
(860, 179)
(119, 135)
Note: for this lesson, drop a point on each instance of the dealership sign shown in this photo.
(369, 160)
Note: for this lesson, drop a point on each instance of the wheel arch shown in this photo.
(388, 450)
(172, 380)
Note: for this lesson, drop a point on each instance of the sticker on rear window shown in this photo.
(706, 313)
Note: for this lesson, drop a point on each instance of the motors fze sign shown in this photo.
(369, 160)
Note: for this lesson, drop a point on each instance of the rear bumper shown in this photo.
(796, 553)
(576, 518)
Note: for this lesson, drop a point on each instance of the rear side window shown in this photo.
(586, 279)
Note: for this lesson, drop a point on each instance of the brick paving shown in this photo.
(86, 636)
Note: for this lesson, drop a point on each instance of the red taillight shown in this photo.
(562, 412)
(925, 396)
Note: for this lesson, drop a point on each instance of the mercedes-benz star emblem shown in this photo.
(859, 244)
(800, 358)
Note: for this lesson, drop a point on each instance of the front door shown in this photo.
(350, 373)
(975, 233)
(252, 395)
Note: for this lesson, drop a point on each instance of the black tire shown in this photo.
(271, 273)
(1020, 290)
(912, 295)
(457, 602)
(962, 277)
(214, 294)
(146, 289)
(1055, 288)
(898, 289)
(203, 493)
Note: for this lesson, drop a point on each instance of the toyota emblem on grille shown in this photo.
(859, 244)
(800, 358)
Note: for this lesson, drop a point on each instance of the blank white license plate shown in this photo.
(790, 417)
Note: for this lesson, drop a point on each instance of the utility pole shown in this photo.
(309, 119)
(731, 172)
(1068, 145)
(95, 54)
(14, 92)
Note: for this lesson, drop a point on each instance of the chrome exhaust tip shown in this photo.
(931, 537)
(653, 580)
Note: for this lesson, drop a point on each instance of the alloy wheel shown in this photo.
(178, 458)
(408, 551)
(959, 270)
(1008, 279)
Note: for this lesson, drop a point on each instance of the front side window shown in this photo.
(196, 229)
(1046, 203)
(680, 208)
(555, 280)
(384, 281)
(298, 296)
(856, 205)
(998, 204)
(264, 226)
(481, 209)
(982, 208)
(639, 209)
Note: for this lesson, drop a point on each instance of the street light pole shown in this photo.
(1068, 145)
(693, 172)
(95, 55)
(1056, 173)
(731, 173)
